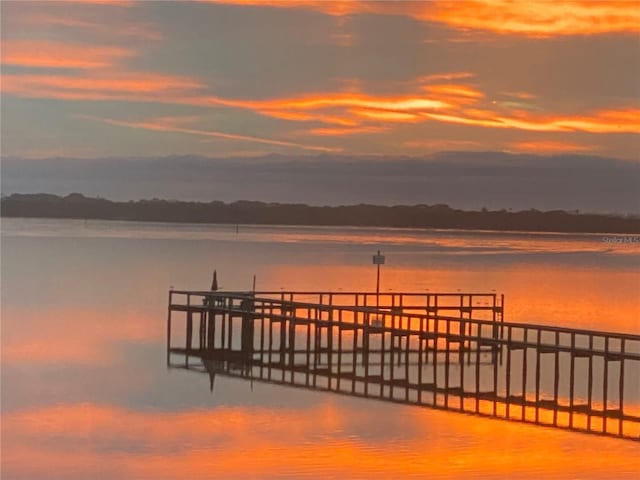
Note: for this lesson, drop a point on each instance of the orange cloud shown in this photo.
(385, 115)
(442, 144)
(445, 76)
(520, 95)
(443, 102)
(319, 101)
(97, 86)
(549, 146)
(578, 17)
(342, 109)
(455, 90)
(447, 103)
(51, 54)
(93, 25)
(332, 132)
(114, 3)
(605, 121)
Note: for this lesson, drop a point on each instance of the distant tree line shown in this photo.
(248, 212)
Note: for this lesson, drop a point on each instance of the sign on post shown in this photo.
(378, 259)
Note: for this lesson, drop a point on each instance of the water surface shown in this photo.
(86, 392)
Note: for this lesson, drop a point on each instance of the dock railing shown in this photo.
(444, 350)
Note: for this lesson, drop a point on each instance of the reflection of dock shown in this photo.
(450, 351)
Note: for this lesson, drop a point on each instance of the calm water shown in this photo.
(86, 392)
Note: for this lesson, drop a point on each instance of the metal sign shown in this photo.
(378, 259)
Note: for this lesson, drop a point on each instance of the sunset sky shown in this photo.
(140, 78)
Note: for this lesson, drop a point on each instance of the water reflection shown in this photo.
(86, 394)
(331, 440)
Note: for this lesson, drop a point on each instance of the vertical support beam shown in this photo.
(247, 329)
(262, 317)
(308, 346)
(477, 375)
(169, 311)
(406, 362)
(230, 333)
(270, 344)
(469, 330)
(590, 384)
(223, 317)
(203, 331)
(420, 342)
(366, 336)
(189, 330)
(621, 387)
(382, 362)
(355, 351)
(285, 316)
(556, 378)
(340, 325)
(605, 387)
(447, 362)
(508, 379)
(572, 378)
(525, 352)
(211, 330)
(538, 375)
(461, 349)
(292, 341)
(435, 358)
(494, 358)
(461, 329)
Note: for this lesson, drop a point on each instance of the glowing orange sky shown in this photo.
(444, 66)
(500, 16)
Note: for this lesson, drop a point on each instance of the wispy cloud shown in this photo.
(447, 103)
(103, 86)
(540, 19)
(338, 132)
(442, 144)
(549, 146)
(604, 121)
(449, 76)
(165, 124)
(90, 24)
(111, 3)
(54, 54)
(530, 18)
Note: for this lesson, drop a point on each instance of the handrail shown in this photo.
(373, 309)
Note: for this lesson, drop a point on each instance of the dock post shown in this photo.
(189, 340)
(247, 328)
(169, 327)
(524, 374)
(621, 387)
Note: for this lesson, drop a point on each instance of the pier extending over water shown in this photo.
(449, 351)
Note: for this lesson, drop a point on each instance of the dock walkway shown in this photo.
(450, 351)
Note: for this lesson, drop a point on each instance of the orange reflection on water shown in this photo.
(240, 442)
(549, 294)
(72, 335)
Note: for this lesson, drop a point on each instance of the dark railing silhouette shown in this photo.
(450, 351)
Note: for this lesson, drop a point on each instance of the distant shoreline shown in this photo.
(77, 206)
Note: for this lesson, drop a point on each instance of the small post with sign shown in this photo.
(378, 260)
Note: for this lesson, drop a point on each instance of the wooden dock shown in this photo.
(449, 351)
